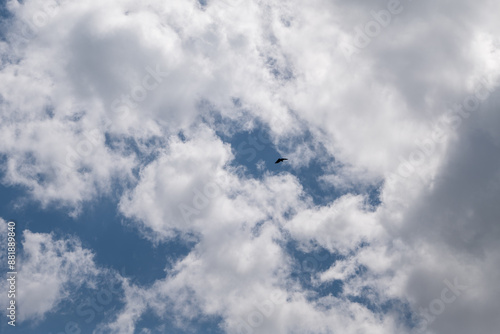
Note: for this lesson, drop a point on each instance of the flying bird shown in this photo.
(280, 160)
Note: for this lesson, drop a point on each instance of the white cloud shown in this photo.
(49, 270)
(341, 270)
(284, 63)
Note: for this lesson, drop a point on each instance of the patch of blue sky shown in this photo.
(4, 13)
(101, 229)
(86, 310)
(150, 321)
(373, 195)
(307, 264)
(255, 152)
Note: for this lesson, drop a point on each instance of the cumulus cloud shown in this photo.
(49, 271)
(93, 95)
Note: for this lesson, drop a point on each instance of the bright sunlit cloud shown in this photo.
(144, 135)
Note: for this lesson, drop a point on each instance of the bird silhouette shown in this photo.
(280, 160)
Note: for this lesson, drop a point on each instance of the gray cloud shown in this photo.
(80, 81)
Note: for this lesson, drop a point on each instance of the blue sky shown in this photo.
(137, 158)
